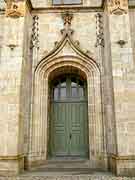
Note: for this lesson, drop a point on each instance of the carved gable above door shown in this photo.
(67, 46)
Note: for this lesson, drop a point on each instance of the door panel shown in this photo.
(78, 121)
(59, 130)
(69, 129)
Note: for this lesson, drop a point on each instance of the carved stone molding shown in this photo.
(35, 32)
(34, 44)
(12, 157)
(117, 7)
(99, 30)
(15, 8)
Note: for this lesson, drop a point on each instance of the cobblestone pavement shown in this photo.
(55, 176)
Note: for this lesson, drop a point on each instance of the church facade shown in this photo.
(67, 84)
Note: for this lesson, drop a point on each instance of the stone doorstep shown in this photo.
(63, 165)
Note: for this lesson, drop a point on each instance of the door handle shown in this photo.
(70, 136)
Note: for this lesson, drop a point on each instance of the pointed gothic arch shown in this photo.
(39, 123)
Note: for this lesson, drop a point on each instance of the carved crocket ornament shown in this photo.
(15, 8)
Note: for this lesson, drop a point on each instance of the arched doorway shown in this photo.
(69, 117)
(46, 74)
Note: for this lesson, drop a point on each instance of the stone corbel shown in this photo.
(117, 7)
(15, 8)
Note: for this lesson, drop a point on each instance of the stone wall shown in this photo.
(12, 60)
(10, 80)
(26, 80)
(124, 84)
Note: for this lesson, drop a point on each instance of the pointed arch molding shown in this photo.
(75, 46)
(39, 125)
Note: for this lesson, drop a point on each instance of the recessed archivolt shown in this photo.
(39, 136)
(63, 70)
(87, 65)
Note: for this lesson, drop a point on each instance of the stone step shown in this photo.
(63, 165)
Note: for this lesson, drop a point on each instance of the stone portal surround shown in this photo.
(39, 136)
(58, 58)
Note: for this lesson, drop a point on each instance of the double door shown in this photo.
(69, 126)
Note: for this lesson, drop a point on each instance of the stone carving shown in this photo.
(121, 43)
(35, 32)
(34, 45)
(67, 18)
(15, 8)
(67, 33)
(118, 7)
(99, 30)
(77, 43)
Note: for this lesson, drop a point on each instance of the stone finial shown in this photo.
(117, 7)
(67, 18)
(15, 8)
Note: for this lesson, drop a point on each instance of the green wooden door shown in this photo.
(69, 125)
(78, 129)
